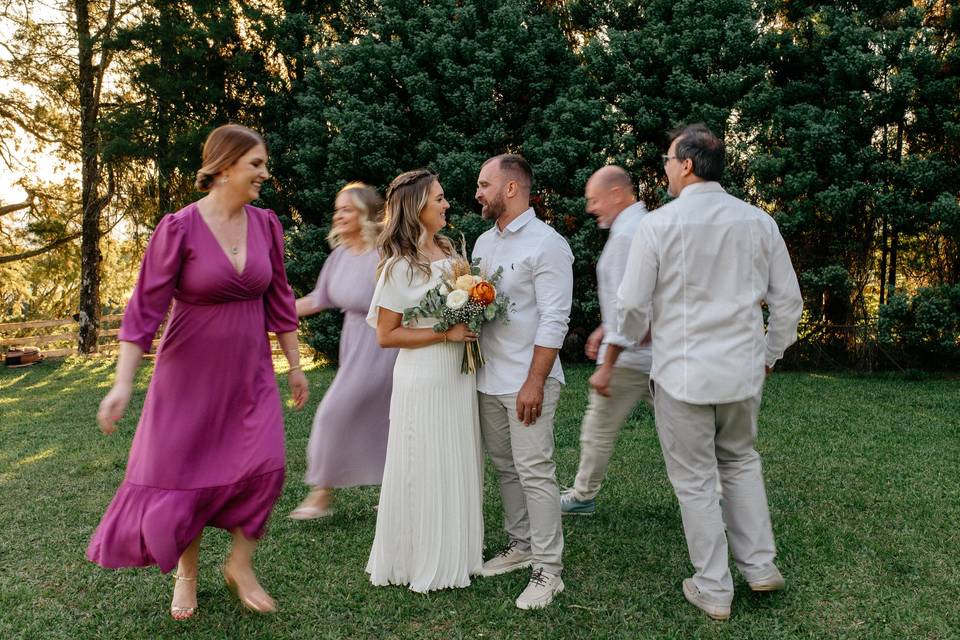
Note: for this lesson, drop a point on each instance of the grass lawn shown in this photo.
(861, 474)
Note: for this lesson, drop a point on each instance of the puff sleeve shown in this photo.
(320, 296)
(278, 300)
(159, 273)
(393, 290)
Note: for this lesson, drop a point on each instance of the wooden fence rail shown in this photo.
(58, 338)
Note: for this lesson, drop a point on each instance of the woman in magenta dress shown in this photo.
(348, 441)
(208, 450)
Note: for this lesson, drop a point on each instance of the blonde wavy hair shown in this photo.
(403, 234)
(369, 204)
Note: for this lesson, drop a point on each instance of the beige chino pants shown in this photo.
(601, 427)
(697, 442)
(523, 458)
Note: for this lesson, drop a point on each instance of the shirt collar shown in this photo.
(624, 216)
(701, 187)
(518, 223)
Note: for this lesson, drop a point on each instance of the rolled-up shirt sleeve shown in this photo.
(553, 286)
(784, 300)
(635, 296)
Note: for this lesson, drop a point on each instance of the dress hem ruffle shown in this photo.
(145, 526)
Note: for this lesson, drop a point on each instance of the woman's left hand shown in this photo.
(297, 383)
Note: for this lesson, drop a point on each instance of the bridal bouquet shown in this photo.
(463, 295)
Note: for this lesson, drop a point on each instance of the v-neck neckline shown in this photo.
(246, 240)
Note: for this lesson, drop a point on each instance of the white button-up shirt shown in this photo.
(538, 277)
(610, 269)
(698, 270)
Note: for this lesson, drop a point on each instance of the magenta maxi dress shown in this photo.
(209, 448)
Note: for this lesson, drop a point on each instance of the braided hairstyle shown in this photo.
(403, 235)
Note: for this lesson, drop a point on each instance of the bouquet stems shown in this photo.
(472, 357)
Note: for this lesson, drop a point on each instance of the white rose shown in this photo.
(456, 299)
(466, 283)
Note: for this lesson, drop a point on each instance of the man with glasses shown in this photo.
(697, 273)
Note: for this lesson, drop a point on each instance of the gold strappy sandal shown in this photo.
(182, 613)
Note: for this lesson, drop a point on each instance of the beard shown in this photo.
(493, 209)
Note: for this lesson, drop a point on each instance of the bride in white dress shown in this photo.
(430, 520)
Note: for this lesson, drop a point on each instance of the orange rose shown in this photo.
(483, 293)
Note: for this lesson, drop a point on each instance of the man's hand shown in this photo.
(768, 370)
(600, 380)
(592, 348)
(530, 401)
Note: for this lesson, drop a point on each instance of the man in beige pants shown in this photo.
(697, 273)
(519, 386)
(622, 377)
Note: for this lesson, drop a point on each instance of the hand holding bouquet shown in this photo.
(463, 295)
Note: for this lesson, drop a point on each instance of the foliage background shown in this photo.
(841, 120)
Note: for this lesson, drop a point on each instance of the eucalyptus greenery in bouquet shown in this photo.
(463, 295)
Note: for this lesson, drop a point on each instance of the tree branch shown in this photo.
(10, 208)
(17, 118)
(104, 55)
(13, 257)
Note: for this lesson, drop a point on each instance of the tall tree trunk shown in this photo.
(90, 256)
(883, 259)
(894, 233)
(892, 273)
(884, 150)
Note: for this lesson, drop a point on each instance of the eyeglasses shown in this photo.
(667, 159)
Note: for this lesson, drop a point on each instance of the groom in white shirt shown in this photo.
(698, 270)
(519, 385)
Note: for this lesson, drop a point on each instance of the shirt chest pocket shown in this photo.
(518, 276)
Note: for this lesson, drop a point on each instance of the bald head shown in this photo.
(608, 192)
(612, 176)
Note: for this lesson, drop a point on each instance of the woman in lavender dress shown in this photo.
(208, 450)
(348, 442)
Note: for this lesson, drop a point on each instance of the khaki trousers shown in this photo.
(601, 427)
(697, 442)
(523, 458)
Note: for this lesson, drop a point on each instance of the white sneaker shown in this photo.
(712, 609)
(510, 559)
(774, 582)
(540, 590)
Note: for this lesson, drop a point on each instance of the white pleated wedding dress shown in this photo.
(429, 531)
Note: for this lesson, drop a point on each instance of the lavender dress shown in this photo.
(208, 450)
(348, 441)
